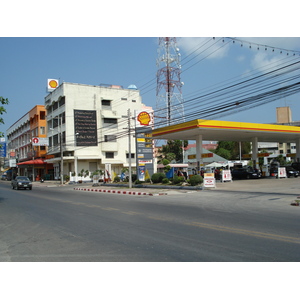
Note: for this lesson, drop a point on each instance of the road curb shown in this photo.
(119, 192)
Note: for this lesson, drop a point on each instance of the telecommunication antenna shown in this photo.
(169, 101)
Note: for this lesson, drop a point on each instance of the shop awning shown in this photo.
(33, 162)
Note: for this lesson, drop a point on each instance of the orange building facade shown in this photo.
(29, 157)
(38, 123)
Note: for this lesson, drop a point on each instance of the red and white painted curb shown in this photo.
(119, 192)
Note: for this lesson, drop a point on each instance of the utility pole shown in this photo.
(61, 154)
(129, 150)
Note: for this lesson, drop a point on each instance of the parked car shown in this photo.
(296, 166)
(291, 172)
(3, 177)
(21, 182)
(245, 173)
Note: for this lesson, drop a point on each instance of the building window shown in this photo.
(55, 105)
(110, 138)
(132, 155)
(109, 154)
(42, 115)
(110, 121)
(124, 99)
(42, 130)
(133, 100)
(62, 101)
(105, 102)
(55, 140)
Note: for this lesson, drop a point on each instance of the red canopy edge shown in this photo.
(33, 162)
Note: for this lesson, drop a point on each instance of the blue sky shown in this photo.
(27, 63)
(53, 50)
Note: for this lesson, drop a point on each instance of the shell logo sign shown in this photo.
(52, 85)
(144, 118)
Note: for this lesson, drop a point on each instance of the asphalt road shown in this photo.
(243, 221)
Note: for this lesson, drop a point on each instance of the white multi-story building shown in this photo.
(88, 127)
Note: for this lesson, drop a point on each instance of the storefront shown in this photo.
(35, 169)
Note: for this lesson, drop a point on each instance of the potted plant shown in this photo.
(80, 174)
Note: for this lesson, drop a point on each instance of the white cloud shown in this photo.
(265, 59)
(264, 62)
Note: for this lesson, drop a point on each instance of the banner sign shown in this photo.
(281, 172)
(141, 173)
(12, 163)
(37, 141)
(85, 125)
(226, 175)
(2, 149)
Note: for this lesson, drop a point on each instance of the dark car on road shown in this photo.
(245, 173)
(21, 182)
(291, 172)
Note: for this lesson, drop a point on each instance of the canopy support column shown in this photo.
(254, 153)
(199, 153)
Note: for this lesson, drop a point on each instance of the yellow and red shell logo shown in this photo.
(144, 118)
(53, 84)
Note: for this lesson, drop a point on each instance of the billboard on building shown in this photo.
(38, 141)
(85, 126)
(52, 84)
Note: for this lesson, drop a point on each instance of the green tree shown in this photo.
(3, 101)
(173, 150)
(281, 159)
(232, 149)
(224, 153)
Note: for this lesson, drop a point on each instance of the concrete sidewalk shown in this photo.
(113, 188)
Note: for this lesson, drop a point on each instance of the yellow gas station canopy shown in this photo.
(212, 130)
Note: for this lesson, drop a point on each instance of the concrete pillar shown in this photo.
(254, 153)
(75, 167)
(199, 153)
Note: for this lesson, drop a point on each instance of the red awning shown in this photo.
(33, 162)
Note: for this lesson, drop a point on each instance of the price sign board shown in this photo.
(209, 180)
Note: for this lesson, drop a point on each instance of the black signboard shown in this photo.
(85, 124)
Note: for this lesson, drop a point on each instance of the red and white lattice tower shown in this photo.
(169, 101)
